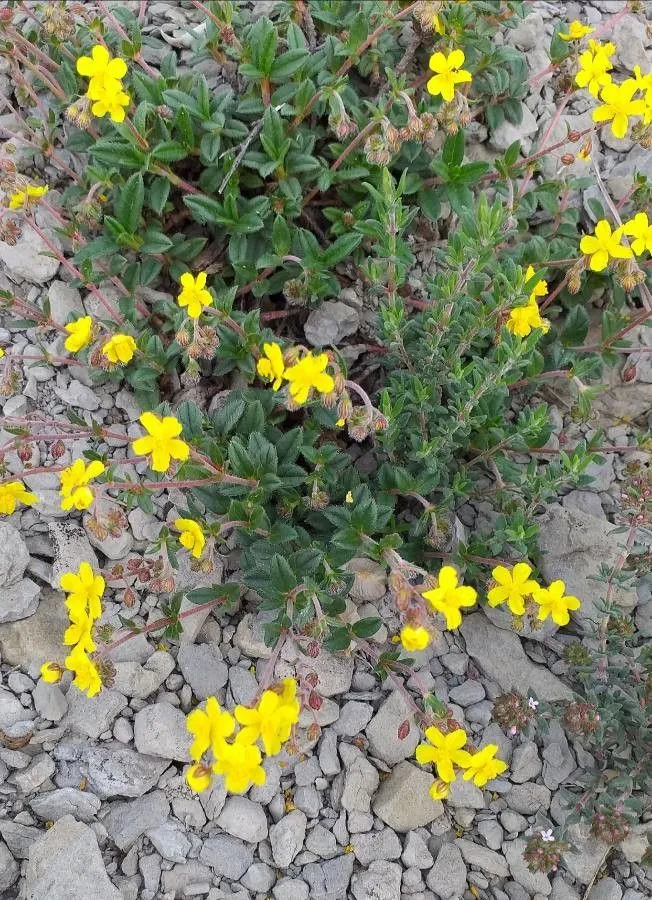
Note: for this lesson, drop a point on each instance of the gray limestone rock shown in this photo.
(403, 801)
(26, 260)
(526, 763)
(287, 837)
(19, 601)
(9, 869)
(125, 822)
(53, 805)
(334, 672)
(203, 668)
(528, 798)
(244, 819)
(171, 841)
(447, 878)
(140, 681)
(71, 549)
(66, 862)
(110, 769)
(160, 730)
(533, 882)
(329, 879)
(383, 730)
(330, 323)
(14, 558)
(227, 856)
(93, 715)
(65, 301)
(381, 881)
(375, 845)
(482, 858)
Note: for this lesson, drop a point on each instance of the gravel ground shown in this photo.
(97, 797)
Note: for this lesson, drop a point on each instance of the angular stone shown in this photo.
(353, 718)
(93, 715)
(526, 763)
(126, 821)
(71, 549)
(287, 837)
(9, 869)
(170, 841)
(361, 780)
(448, 875)
(491, 646)
(26, 260)
(110, 770)
(381, 881)
(415, 852)
(138, 681)
(66, 862)
(36, 639)
(53, 805)
(244, 819)
(334, 672)
(65, 300)
(533, 882)
(375, 845)
(403, 801)
(203, 668)
(330, 323)
(482, 858)
(176, 881)
(383, 730)
(160, 730)
(290, 889)
(227, 856)
(19, 601)
(528, 798)
(15, 557)
(329, 879)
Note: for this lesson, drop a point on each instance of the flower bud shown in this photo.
(568, 159)
(57, 449)
(25, 452)
(574, 136)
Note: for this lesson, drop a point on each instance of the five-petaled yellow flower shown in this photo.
(483, 767)
(524, 319)
(447, 74)
(240, 765)
(74, 483)
(210, 728)
(512, 587)
(271, 366)
(194, 294)
(618, 106)
(120, 348)
(445, 751)
(81, 334)
(192, 537)
(449, 596)
(25, 196)
(604, 245)
(51, 672)
(79, 631)
(540, 289)
(84, 589)
(87, 676)
(307, 374)
(594, 68)
(414, 639)
(11, 494)
(100, 67)
(576, 31)
(272, 719)
(554, 602)
(108, 99)
(162, 441)
(641, 230)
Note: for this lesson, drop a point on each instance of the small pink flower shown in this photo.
(532, 703)
(513, 729)
(547, 836)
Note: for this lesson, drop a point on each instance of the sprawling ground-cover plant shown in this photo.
(200, 217)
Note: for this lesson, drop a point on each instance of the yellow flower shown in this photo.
(349, 497)
(439, 790)
(2, 352)
(81, 333)
(448, 597)
(198, 777)
(271, 366)
(483, 767)
(585, 152)
(643, 82)
(553, 602)
(540, 289)
(85, 590)
(191, 537)
(618, 106)
(87, 677)
(641, 230)
(22, 198)
(12, 493)
(209, 727)
(162, 441)
(240, 764)
(523, 319)
(513, 587)
(74, 483)
(108, 98)
(309, 373)
(99, 66)
(120, 348)
(51, 672)
(414, 639)
(446, 751)
(194, 294)
(594, 68)
(602, 245)
(79, 632)
(448, 74)
(576, 31)
(272, 719)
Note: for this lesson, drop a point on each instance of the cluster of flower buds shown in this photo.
(79, 113)
(512, 712)
(581, 718)
(610, 826)
(543, 853)
(58, 20)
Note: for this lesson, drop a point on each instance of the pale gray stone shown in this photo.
(533, 882)
(12, 710)
(354, 717)
(361, 780)
(243, 685)
(308, 800)
(505, 135)
(170, 841)
(328, 759)
(9, 868)
(19, 601)
(53, 805)
(415, 852)
(467, 693)
(125, 822)
(78, 395)
(66, 862)
(65, 302)
(381, 881)
(329, 879)
(375, 845)
(383, 730)
(482, 858)
(71, 549)
(93, 715)
(447, 878)
(39, 770)
(111, 770)
(492, 833)
(259, 878)
(606, 889)
(160, 730)
(322, 842)
(227, 855)
(26, 260)
(19, 838)
(465, 795)
(290, 889)
(176, 881)
(330, 323)
(403, 801)
(585, 857)
(243, 819)
(528, 798)
(50, 701)
(249, 638)
(561, 890)
(526, 763)
(630, 37)
(114, 544)
(491, 646)
(141, 681)
(203, 668)
(512, 821)
(15, 556)
(287, 837)
(334, 672)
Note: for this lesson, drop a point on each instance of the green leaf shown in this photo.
(575, 328)
(102, 246)
(453, 150)
(169, 151)
(263, 40)
(117, 153)
(430, 203)
(129, 205)
(366, 627)
(281, 575)
(159, 191)
(154, 241)
(288, 63)
(338, 639)
(512, 153)
(281, 239)
(191, 417)
(204, 209)
(342, 247)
